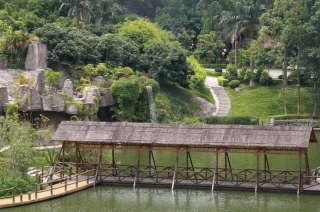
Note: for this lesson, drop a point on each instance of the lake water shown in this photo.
(106, 198)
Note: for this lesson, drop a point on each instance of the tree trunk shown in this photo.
(285, 65)
(252, 70)
(315, 86)
(284, 100)
(236, 54)
(298, 71)
(298, 106)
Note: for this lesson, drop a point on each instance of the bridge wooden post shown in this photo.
(175, 173)
(299, 177)
(62, 149)
(77, 158)
(217, 166)
(138, 166)
(257, 179)
(307, 168)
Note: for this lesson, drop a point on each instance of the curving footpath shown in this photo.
(220, 96)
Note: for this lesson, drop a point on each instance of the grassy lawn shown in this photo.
(263, 102)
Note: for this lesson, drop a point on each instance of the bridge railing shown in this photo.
(63, 182)
(8, 193)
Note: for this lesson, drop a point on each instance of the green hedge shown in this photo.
(214, 74)
(215, 65)
(290, 116)
(230, 120)
(223, 81)
(276, 81)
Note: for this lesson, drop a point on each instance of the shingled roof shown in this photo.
(191, 135)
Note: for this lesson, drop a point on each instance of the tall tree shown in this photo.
(105, 10)
(79, 9)
(244, 20)
(310, 47)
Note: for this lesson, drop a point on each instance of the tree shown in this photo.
(209, 48)
(20, 137)
(129, 94)
(119, 51)
(243, 21)
(167, 63)
(310, 47)
(105, 10)
(69, 45)
(15, 45)
(79, 9)
(144, 33)
(179, 16)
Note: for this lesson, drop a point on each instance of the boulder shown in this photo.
(46, 103)
(24, 97)
(3, 62)
(39, 80)
(205, 108)
(4, 97)
(36, 57)
(68, 87)
(35, 100)
(107, 99)
(57, 103)
(100, 82)
(71, 108)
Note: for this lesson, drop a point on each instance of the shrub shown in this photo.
(231, 70)
(199, 73)
(290, 116)
(265, 79)
(244, 75)
(214, 65)
(276, 81)
(230, 78)
(218, 70)
(214, 73)
(222, 81)
(234, 84)
(230, 120)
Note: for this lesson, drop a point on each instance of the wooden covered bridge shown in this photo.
(94, 145)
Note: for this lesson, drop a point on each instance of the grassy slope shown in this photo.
(174, 103)
(262, 102)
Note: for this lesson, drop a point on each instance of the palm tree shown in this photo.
(80, 9)
(16, 43)
(105, 10)
(244, 20)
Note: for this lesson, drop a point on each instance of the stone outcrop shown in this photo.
(4, 97)
(205, 108)
(39, 97)
(36, 57)
(3, 62)
(67, 87)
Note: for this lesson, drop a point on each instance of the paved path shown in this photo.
(42, 195)
(220, 96)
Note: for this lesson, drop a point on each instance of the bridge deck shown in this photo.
(57, 191)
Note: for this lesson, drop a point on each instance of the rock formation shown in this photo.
(35, 96)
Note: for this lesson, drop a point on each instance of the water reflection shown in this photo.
(106, 198)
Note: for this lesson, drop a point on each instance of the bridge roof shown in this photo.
(185, 135)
